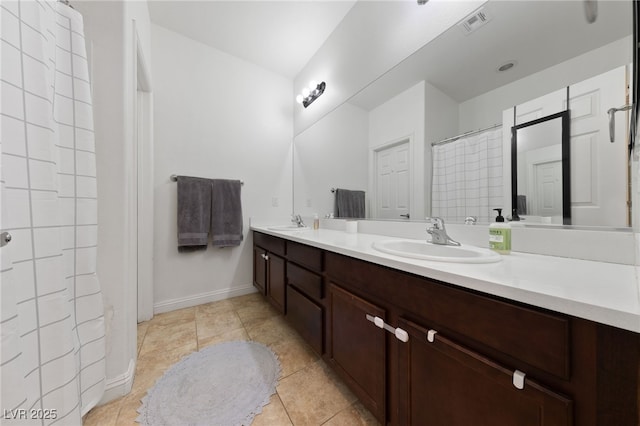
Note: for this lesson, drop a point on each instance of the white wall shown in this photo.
(216, 116)
(400, 117)
(372, 38)
(109, 33)
(330, 154)
(486, 110)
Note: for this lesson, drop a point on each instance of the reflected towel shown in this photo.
(522, 204)
(194, 213)
(226, 213)
(349, 204)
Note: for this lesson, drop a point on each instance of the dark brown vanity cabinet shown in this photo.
(422, 352)
(444, 383)
(269, 269)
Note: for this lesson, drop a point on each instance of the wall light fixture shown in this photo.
(310, 94)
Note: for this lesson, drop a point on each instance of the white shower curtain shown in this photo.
(53, 337)
(467, 177)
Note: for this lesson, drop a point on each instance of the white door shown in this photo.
(548, 187)
(598, 167)
(392, 182)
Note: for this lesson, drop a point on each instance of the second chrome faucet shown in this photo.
(438, 232)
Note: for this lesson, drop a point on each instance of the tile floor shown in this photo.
(308, 392)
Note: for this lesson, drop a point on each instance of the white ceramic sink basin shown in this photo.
(287, 228)
(423, 250)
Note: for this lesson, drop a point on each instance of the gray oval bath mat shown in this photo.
(222, 385)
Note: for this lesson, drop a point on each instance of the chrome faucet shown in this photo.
(471, 220)
(297, 219)
(439, 233)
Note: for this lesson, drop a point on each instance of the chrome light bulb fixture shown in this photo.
(311, 93)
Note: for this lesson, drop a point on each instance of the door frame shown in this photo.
(143, 181)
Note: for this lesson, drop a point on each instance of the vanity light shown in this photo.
(311, 94)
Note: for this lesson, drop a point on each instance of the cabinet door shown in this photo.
(306, 317)
(357, 348)
(260, 269)
(443, 383)
(276, 284)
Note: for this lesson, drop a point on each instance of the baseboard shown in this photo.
(199, 299)
(120, 385)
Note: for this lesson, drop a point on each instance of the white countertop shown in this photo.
(603, 292)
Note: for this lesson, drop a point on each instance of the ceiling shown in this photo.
(534, 34)
(277, 35)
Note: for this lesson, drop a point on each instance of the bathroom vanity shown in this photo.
(425, 344)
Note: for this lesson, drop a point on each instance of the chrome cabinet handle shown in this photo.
(5, 238)
(264, 256)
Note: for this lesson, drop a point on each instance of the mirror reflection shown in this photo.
(386, 139)
(540, 170)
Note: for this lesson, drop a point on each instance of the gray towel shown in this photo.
(349, 204)
(522, 204)
(226, 213)
(194, 213)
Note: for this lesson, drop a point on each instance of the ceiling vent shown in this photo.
(474, 21)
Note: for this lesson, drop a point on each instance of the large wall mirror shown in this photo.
(449, 101)
(540, 170)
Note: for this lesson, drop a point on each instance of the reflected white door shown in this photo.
(392, 182)
(548, 185)
(598, 167)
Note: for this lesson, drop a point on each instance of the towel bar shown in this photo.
(174, 178)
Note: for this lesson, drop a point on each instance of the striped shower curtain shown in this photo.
(467, 177)
(52, 361)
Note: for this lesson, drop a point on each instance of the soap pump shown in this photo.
(500, 235)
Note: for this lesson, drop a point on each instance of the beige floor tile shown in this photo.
(214, 308)
(256, 312)
(294, 355)
(272, 414)
(215, 324)
(355, 415)
(169, 337)
(173, 318)
(142, 331)
(309, 393)
(323, 396)
(271, 330)
(104, 415)
(129, 413)
(229, 336)
(247, 300)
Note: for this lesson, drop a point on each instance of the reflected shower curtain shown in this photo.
(467, 177)
(53, 336)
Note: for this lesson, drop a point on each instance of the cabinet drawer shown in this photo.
(305, 281)
(272, 244)
(306, 317)
(526, 334)
(308, 256)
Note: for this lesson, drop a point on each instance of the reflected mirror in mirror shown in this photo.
(452, 86)
(540, 170)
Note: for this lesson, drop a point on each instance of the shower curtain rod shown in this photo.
(472, 132)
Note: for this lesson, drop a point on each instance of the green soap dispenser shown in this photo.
(500, 235)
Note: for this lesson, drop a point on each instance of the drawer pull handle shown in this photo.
(518, 379)
(398, 332)
(265, 257)
(431, 335)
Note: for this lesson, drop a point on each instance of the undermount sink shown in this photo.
(287, 228)
(443, 253)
